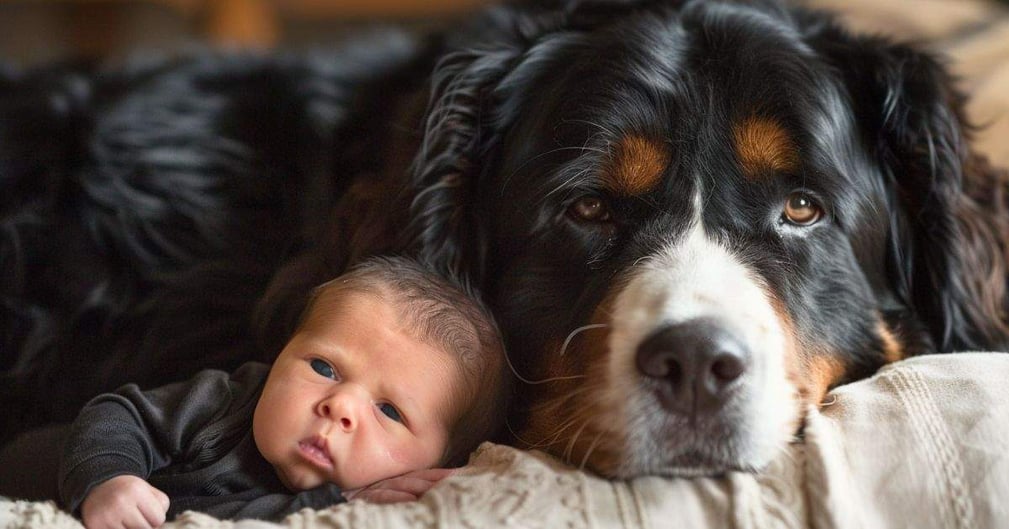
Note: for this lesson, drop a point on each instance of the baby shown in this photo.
(391, 372)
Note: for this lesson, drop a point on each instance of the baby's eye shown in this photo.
(322, 368)
(390, 411)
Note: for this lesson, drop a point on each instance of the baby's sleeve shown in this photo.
(134, 432)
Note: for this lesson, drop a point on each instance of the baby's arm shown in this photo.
(124, 502)
(136, 433)
(109, 439)
(406, 487)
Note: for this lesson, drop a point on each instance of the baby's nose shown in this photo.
(341, 409)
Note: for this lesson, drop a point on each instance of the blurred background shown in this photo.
(33, 31)
(972, 35)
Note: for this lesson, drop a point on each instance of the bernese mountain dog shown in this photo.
(690, 218)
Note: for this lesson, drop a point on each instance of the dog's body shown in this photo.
(690, 218)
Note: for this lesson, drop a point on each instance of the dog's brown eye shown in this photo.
(590, 209)
(801, 210)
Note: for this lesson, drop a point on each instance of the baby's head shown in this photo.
(391, 369)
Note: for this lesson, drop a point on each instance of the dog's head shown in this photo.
(694, 218)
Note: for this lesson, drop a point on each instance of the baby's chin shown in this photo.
(298, 479)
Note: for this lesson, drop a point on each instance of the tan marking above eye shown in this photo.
(591, 209)
(801, 210)
(637, 165)
(764, 144)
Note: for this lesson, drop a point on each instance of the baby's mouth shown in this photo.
(316, 451)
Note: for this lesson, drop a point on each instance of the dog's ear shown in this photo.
(461, 128)
(946, 258)
(441, 229)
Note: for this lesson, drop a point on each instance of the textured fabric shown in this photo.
(922, 444)
(925, 444)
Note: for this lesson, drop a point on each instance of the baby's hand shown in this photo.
(407, 487)
(124, 502)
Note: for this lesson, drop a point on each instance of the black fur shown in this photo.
(168, 215)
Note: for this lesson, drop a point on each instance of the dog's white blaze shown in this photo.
(692, 278)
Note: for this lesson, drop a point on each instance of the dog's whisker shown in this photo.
(602, 129)
(569, 450)
(592, 448)
(525, 380)
(567, 341)
(556, 435)
(516, 435)
(564, 426)
(565, 183)
(551, 437)
(547, 153)
(558, 406)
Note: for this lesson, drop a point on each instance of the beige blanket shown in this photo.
(922, 444)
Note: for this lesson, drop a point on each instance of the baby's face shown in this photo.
(354, 398)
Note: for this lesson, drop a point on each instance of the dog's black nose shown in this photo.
(697, 361)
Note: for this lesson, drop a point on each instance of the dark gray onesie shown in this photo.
(192, 440)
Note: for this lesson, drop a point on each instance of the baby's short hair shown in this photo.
(444, 312)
